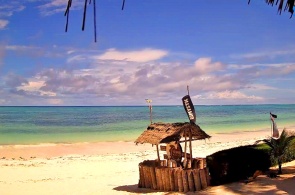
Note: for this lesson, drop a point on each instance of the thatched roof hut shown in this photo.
(158, 133)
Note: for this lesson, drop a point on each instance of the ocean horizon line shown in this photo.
(156, 105)
(55, 124)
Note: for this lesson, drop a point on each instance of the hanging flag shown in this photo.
(275, 131)
(189, 108)
(273, 115)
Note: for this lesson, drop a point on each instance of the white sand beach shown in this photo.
(112, 168)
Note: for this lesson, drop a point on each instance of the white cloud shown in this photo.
(3, 24)
(144, 55)
(265, 54)
(55, 101)
(7, 10)
(261, 87)
(20, 47)
(129, 79)
(57, 6)
(205, 65)
(34, 87)
(111, 75)
(234, 95)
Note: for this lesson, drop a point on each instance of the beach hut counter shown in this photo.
(176, 170)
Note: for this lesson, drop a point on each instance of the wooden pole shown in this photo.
(197, 180)
(203, 178)
(151, 118)
(167, 179)
(163, 176)
(159, 179)
(158, 154)
(147, 176)
(190, 179)
(187, 87)
(141, 183)
(190, 147)
(153, 177)
(175, 175)
(179, 180)
(185, 155)
(208, 176)
(149, 102)
(172, 179)
(185, 181)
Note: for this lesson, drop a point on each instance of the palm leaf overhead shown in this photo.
(282, 5)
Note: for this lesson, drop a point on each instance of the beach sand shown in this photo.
(112, 168)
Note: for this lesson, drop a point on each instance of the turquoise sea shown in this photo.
(35, 125)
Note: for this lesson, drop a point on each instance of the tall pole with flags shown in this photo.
(190, 110)
(149, 102)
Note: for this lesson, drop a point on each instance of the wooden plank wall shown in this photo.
(157, 176)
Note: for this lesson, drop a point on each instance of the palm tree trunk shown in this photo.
(280, 166)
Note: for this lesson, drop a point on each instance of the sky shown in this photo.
(226, 51)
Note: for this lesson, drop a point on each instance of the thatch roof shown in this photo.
(157, 133)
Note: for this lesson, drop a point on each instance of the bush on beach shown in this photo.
(281, 148)
(237, 164)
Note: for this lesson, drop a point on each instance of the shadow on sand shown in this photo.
(134, 189)
(284, 184)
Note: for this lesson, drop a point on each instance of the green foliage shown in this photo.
(237, 163)
(281, 149)
(262, 147)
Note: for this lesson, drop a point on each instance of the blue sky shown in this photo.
(227, 51)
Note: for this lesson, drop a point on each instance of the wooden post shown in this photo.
(190, 147)
(185, 181)
(197, 180)
(159, 179)
(147, 176)
(158, 154)
(153, 177)
(141, 183)
(185, 155)
(163, 175)
(179, 180)
(203, 178)
(167, 179)
(172, 183)
(208, 178)
(175, 174)
(190, 178)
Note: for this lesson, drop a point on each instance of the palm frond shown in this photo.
(289, 5)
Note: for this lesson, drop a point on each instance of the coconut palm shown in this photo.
(280, 147)
(288, 5)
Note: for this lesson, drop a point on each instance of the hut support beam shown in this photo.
(190, 147)
(158, 154)
(185, 146)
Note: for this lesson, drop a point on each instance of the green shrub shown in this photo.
(237, 163)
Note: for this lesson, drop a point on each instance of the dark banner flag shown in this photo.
(189, 108)
(273, 115)
(275, 132)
